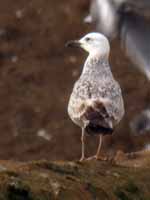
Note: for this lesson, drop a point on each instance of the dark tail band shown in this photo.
(93, 129)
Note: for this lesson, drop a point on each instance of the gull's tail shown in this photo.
(98, 118)
(94, 129)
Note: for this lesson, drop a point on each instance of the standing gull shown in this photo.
(96, 103)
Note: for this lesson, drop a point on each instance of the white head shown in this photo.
(95, 44)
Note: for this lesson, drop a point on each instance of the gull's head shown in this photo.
(96, 44)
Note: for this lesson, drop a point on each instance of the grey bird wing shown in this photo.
(141, 7)
(102, 12)
(135, 39)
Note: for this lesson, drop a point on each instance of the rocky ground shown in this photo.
(36, 77)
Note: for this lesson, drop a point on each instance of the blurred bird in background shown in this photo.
(128, 20)
(141, 123)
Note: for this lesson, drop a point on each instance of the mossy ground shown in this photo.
(43, 180)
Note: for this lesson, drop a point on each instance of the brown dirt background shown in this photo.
(37, 74)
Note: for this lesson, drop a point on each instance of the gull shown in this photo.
(96, 103)
(141, 123)
(129, 21)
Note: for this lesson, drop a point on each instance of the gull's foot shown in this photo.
(92, 158)
(95, 157)
(82, 159)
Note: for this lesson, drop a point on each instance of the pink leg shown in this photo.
(83, 145)
(96, 156)
(99, 146)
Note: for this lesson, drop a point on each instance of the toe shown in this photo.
(81, 159)
(91, 158)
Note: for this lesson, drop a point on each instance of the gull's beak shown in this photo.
(73, 43)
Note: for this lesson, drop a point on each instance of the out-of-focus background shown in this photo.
(37, 74)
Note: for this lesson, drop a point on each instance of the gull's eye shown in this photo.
(88, 39)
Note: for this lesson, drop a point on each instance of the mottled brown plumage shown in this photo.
(96, 103)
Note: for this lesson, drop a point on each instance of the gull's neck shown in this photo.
(95, 62)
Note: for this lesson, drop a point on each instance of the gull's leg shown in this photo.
(96, 156)
(83, 145)
(99, 147)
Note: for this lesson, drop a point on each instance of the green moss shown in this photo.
(64, 169)
(10, 173)
(121, 195)
(129, 191)
(16, 190)
(42, 180)
(96, 192)
(132, 188)
(42, 196)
